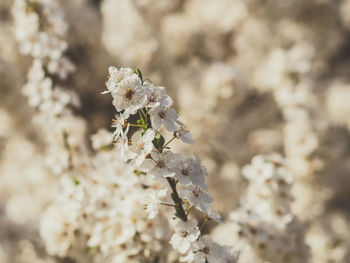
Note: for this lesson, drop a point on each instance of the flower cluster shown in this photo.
(39, 29)
(226, 61)
(99, 214)
(265, 219)
(146, 150)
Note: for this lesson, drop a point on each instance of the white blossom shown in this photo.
(57, 228)
(119, 122)
(101, 138)
(207, 251)
(142, 145)
(185, 234)
(61, 66)
(157, 96)
(129, 94)
(183, 133)
(123, 144)
(57, 159)
(110, 234)
(259, 170)
(56, 103)
(152, 202)
(38, 92)
(48, 45)
(116, 76)
(164, 164)
(197, 196)
(163, 115)
(192, 172)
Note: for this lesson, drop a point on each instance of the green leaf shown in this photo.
(138, 73)
(159, 141)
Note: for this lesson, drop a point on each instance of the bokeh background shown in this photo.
(247, 77)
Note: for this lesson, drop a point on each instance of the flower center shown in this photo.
(196, 192)
(153, 98)
(160, 164)
(161, 114)
(185, 171)
(141, 145)
(184, 233)
(206, 250)
(129, 94)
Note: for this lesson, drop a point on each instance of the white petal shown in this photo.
(172, 114)
(148, 135)
(112, 70)
(169, 125)
(156, 121)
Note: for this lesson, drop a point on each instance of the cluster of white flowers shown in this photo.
(148, 152)
(254, 76)
(265, 219)
(99, 213)
(39, 29)
(103, 213)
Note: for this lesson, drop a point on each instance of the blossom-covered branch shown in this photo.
(148, 152)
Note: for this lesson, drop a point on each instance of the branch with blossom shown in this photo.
(150, 154)
(40, 28)
(265, 219)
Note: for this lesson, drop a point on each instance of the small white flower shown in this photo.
(62, 67)
(157, 96)
(119, 122)
(38, 88)
(192, 172)
(185, 234)
(164, 164)
(214, 215)
(57, 160)
(38, 92)
(207, 251)
(259, 170)
(142, 145)
(47, 45)
(163, 115)
(129, 95)
(197, 196)
(101, 138)
(123, 144)
(183, 133)
(36, 72)
(57, 228)
(115, 76)
(153, 201)
(108, 235)
(56, 103)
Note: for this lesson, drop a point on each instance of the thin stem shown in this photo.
(204, 223)
(136, 125)
(189, 210)
(141, 116)
(145, 112)
(180, 212)
(69, 150)
(167, 204)
(169, 142)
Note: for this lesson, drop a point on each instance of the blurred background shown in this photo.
(247, 77)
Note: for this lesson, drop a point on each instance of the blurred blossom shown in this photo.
(243, 105)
